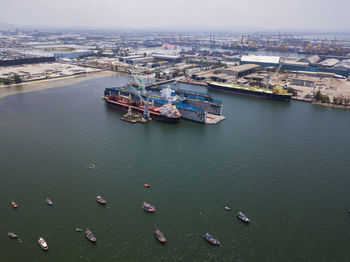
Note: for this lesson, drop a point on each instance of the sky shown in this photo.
(319, 15)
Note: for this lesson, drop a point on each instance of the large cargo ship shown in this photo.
(166, 113)
(193, 106)
(275, 94)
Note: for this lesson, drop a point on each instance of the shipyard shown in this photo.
(273, 62)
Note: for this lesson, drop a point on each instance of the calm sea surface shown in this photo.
(285, 165)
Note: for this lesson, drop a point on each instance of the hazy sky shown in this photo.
(259, 14)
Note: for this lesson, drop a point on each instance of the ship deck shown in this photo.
(214, 119)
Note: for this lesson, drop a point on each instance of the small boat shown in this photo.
(90, 236)
(243, 217)
(79, 229)
(91, 166)
(43, 244)
(12, 235)
(211, 239)
(147, 185)
(148, 207)
(227, 208)
(13, 204)
(159, 235)
(130, 116)
(48, 201)
(101, 200)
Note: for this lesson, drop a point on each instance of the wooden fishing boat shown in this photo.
(148, 207)
(43, 244)
(243, 217)
(89, 235)
(159, 235)
(49, 202)
(12, 235)
(101, 200)
(13, 204)
(147, 185)
(212, 240)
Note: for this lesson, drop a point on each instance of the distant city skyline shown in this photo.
(320, 15)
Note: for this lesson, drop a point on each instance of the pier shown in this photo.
(159, 83)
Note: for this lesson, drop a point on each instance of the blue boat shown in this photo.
(212, 240)
(148, 207)
(243, 217)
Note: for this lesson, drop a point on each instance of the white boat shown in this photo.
(43, 244)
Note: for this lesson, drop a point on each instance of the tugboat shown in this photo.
(13, 204)
(101, 200)
(243, 217)
(43, 244)
(12, 235)
(130, 116)
(49, 202)
(212, 240)
(159, 235)
(90, 236)
(148, 207)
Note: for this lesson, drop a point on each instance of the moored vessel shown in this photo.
(101, 200)
(273, 94)
(243, 217)
(212, 240)
(148, 207)
(49, 202)
(14, 204)
(89, 235)
(159, 235)
(43, 244)
(12, 235)
(166, 113)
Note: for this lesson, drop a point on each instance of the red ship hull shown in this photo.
(125, 105)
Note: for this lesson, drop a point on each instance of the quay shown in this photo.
(159, 83)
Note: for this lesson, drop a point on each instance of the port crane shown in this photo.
(268, 84)
(139, 91)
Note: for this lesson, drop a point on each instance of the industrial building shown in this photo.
(241, 70)
(263, 61)
(139, 60)
(74, 54)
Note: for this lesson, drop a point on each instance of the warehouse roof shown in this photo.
(261, 59)
(330, 62)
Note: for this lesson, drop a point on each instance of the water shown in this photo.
(285, 165)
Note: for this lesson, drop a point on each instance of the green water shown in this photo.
(285, 165)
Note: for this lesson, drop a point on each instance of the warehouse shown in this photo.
(241, 70)
(263, 61)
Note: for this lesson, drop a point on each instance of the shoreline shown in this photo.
(43, 84)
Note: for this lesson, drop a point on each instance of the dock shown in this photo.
(159, 83)
(214, 119)
(193, 82)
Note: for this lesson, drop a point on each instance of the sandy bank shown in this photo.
(49, 83)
